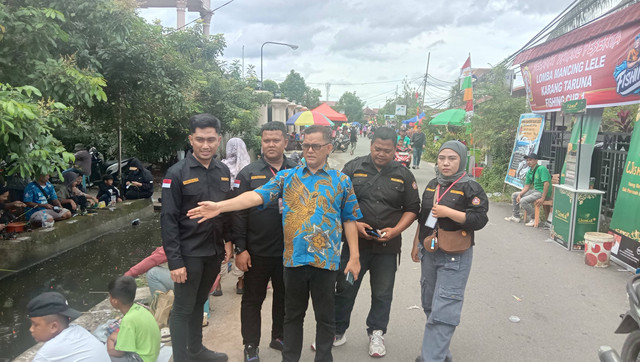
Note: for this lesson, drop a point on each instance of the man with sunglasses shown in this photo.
(318, 203)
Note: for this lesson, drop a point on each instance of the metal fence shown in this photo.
(607, 163)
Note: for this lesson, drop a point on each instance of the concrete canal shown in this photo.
(81, 274)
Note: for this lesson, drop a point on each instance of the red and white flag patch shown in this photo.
(236, 184)
(166, 183)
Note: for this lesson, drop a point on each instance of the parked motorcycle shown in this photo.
(341, 144)
(112, 169)
(630, 325)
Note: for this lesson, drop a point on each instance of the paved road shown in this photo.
(566, 309)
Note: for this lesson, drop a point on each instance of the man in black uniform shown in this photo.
(259, 241)
(194, 251)
(388, 196)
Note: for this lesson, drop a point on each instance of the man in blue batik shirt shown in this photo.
(40, 195)
(317, 203)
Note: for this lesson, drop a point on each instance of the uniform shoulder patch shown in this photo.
(475, 201)
(236, 184)
(414, 185)
(397, 180)
(258, 177)
(224, 179)
(166, 183)
(190, 181)
(360, 175)
(457, 192)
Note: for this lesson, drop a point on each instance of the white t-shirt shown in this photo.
(73, 344)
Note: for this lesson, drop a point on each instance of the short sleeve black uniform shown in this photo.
(468, 197)
(187, 183)
(383, 197)
(259, 230)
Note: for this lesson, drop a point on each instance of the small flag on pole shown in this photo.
(467, 86)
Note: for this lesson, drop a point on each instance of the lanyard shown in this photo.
(438, 198)
(271, 169)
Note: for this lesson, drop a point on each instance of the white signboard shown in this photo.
(401, 110)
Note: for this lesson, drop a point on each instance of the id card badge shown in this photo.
(280, 205)
(431, 221)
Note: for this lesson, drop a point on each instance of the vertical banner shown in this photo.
(626, 215)
(527, 141)
(590, 126)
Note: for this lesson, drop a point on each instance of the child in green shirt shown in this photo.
(138, 338)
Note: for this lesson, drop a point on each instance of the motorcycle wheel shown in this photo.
(631, 347)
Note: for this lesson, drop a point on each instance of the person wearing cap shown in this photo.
(538, 177)
(50, 323)
(452, 204)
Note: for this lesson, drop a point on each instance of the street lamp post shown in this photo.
(292, 46)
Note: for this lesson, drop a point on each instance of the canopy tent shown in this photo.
(415, 119)
(330, 113)
(451, 117)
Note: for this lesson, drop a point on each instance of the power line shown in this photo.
(369, 83)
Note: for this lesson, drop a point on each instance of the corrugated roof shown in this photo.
(618, 20)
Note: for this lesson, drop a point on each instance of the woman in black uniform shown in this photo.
(453, 207)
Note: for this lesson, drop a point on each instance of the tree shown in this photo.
(294, 87)
(25, 130)
(351, 106)
(311, 98)
(270, 86)
(495, 123)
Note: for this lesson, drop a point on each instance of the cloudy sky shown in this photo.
(370, 46)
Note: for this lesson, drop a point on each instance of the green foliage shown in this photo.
(114, 71)
(619, 119)
(25, 130)
(294, 87)
(495, 120)
(312, 98)
(406, 97)
(270, 86)
(352, 106)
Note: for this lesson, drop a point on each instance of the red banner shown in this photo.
(604, 68)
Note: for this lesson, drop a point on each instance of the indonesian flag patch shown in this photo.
(166, 183)
(236, 184)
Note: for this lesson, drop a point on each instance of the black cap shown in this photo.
(51, 303)
(532, 155)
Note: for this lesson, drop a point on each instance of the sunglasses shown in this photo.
(306, 146)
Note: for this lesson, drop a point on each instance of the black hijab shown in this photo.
(459, 148)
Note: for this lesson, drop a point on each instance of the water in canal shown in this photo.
(78, 274)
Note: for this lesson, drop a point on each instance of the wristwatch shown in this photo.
(238, 250)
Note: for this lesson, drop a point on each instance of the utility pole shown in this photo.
(243, 62)
(328, 86)
(426, 75)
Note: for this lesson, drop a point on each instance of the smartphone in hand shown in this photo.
(372, 233)
(349, 278)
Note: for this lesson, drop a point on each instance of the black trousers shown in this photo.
(135, 194)
(299, 282)
(255, 292)
(185, 322)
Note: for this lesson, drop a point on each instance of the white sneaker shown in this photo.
(512, 219)
(530, 223)
(376, 344)
(338, 340)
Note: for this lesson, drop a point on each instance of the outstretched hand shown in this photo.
(205, 211)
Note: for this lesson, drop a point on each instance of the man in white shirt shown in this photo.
(50, 317)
